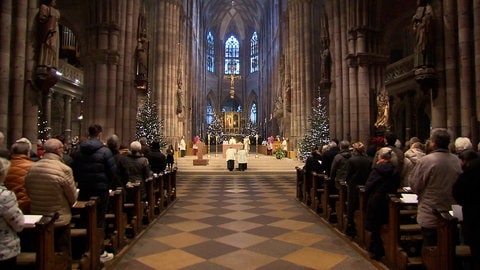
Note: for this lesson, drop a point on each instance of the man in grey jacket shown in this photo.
(432, 180)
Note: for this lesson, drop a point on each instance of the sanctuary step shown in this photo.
(255, 164)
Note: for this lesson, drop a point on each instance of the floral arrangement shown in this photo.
(279, 152)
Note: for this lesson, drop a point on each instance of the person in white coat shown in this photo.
(230, 157)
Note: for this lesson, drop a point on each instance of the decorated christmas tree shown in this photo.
(250, 129)
(317, 133)
(148, 123)
(215, 128)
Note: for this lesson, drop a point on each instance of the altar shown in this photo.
(236, 146)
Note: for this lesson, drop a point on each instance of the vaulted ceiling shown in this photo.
(243, 14)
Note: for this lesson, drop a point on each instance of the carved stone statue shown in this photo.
(326, 61)
(423, 25)
(48, 17)
(383, 106)
(278, 109)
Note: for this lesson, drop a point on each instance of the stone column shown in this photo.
(476, 34)
(5, 44)
(451, 67)
(17, 69)
(67, 120)
(167, 38)
(466, 66)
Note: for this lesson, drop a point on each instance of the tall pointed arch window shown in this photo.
(254, 53)
(210, 52)
(232, 56)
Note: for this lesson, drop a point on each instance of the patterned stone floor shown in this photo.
(240, 222)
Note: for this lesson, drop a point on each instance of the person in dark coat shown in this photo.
(170, 158)
(157, 160)
(312, 164)
(94, 169)
(329, 155)
(380, 183)
(359, 168)
(465, 192)
(136, 169)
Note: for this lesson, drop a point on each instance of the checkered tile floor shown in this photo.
(240, 222)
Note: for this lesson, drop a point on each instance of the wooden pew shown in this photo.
(173, 184)
(158, 193)
(330, 198)
(150, 203)
(446, 254)
(134, 209)
(317, 192)
(306, 188)
(341, 206)
(362, 237)
(91, 235)
(42, 256)
(402, 235)
(299, 192)
(116, 221)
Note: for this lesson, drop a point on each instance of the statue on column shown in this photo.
(288, 96)
(326, 61)
(179, 97)
(423, 27)
(141, 53)
(47, 45)
(383, 107)
(278, 109)
(48, 41)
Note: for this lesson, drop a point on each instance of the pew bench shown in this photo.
(402, 235)
(448, 254)
(39, 233)
(116, 221)
(317, 192)
(86, 237)
(133, 208)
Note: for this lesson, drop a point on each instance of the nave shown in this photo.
(240, 221)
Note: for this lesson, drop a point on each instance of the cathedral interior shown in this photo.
(405, 66)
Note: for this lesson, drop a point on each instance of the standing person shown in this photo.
(182, 146)
(359, 167)
(157, 160)
(378, 185)
(137, 168)
(230, 157)
(432, 180)
(20, 165)
(246, 144)
(170, 158)
(94, 169)
(51, 188)
(48, 17)
(465, 192)
(242, 159)
(11, 222)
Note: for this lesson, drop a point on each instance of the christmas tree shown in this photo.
(148, 123)
(215, 128)
(318, 132)
(250, 129)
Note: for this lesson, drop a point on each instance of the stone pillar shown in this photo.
(451, 67)
(476, 34)
(167, 38)
(5, 44)
(466, 66)
(67, 120)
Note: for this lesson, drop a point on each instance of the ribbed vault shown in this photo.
(221, 14)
